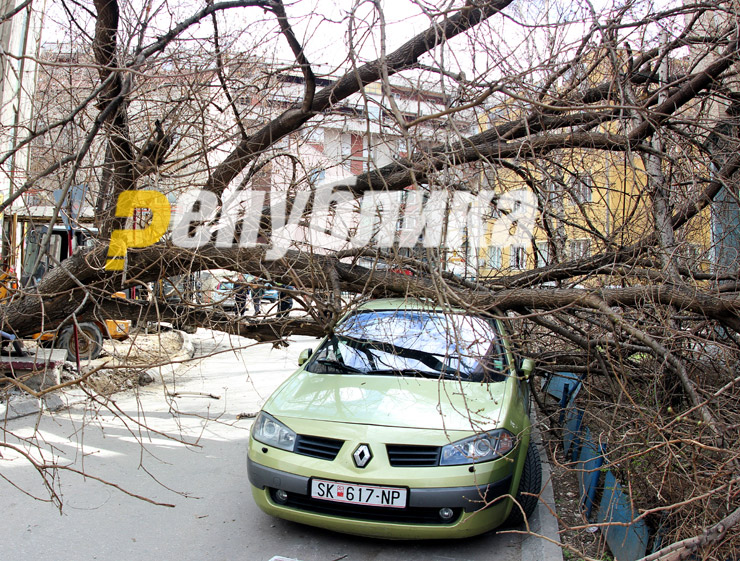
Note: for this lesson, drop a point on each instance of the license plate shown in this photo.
(352, 493)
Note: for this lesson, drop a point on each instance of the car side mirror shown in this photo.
(304, 356)
(527, 368)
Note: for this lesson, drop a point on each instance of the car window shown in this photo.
(413, 342)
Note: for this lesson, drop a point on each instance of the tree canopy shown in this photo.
(616, 127)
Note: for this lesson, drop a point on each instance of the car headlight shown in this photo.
(479, 448)
(272, 432)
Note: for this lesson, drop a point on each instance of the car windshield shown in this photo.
(423, 343)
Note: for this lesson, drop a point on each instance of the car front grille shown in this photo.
(318, 447)
(402, 455)
(409, 515)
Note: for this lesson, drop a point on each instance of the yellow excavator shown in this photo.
(8, 284)
(37, 261)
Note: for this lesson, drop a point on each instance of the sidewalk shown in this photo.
(544, 523)
(122, 365)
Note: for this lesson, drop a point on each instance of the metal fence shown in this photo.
(601, 496)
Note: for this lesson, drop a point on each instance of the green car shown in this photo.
(410, 421)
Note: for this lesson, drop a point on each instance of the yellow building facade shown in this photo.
(576, 205)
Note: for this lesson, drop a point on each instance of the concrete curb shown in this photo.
(23, 405)
(544, 523)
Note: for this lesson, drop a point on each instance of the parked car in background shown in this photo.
(224, 295)
(410, 421)
(269, 292)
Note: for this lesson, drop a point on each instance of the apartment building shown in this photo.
(580, 202)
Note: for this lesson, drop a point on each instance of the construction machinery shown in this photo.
(44, 251)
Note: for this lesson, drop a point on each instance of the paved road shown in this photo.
(181, 444)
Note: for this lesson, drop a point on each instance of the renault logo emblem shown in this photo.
(362, 455)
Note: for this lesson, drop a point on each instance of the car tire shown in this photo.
(529, 488)
(90, 340)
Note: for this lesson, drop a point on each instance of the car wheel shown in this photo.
(90, 341)
(529, 488)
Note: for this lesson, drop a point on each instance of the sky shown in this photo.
(505, 46)
(321, 25)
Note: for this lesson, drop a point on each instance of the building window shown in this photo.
(262, 180)
(518, 257)
(408, 211)
(399, 148)
(369, 153)
(552, 193)
(346, 146)
(315, 137)
(580, 249)
(543, 254)
(581, 188)
(493, 259)
(317, 176)
(689, 255)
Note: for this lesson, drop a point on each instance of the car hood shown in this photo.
(392, 401)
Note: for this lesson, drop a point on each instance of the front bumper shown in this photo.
(477, 508)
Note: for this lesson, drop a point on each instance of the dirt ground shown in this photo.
(580, 539)
(125, 364)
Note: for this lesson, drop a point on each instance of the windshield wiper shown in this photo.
(333, 363)
(426, 358)
(412, 372)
